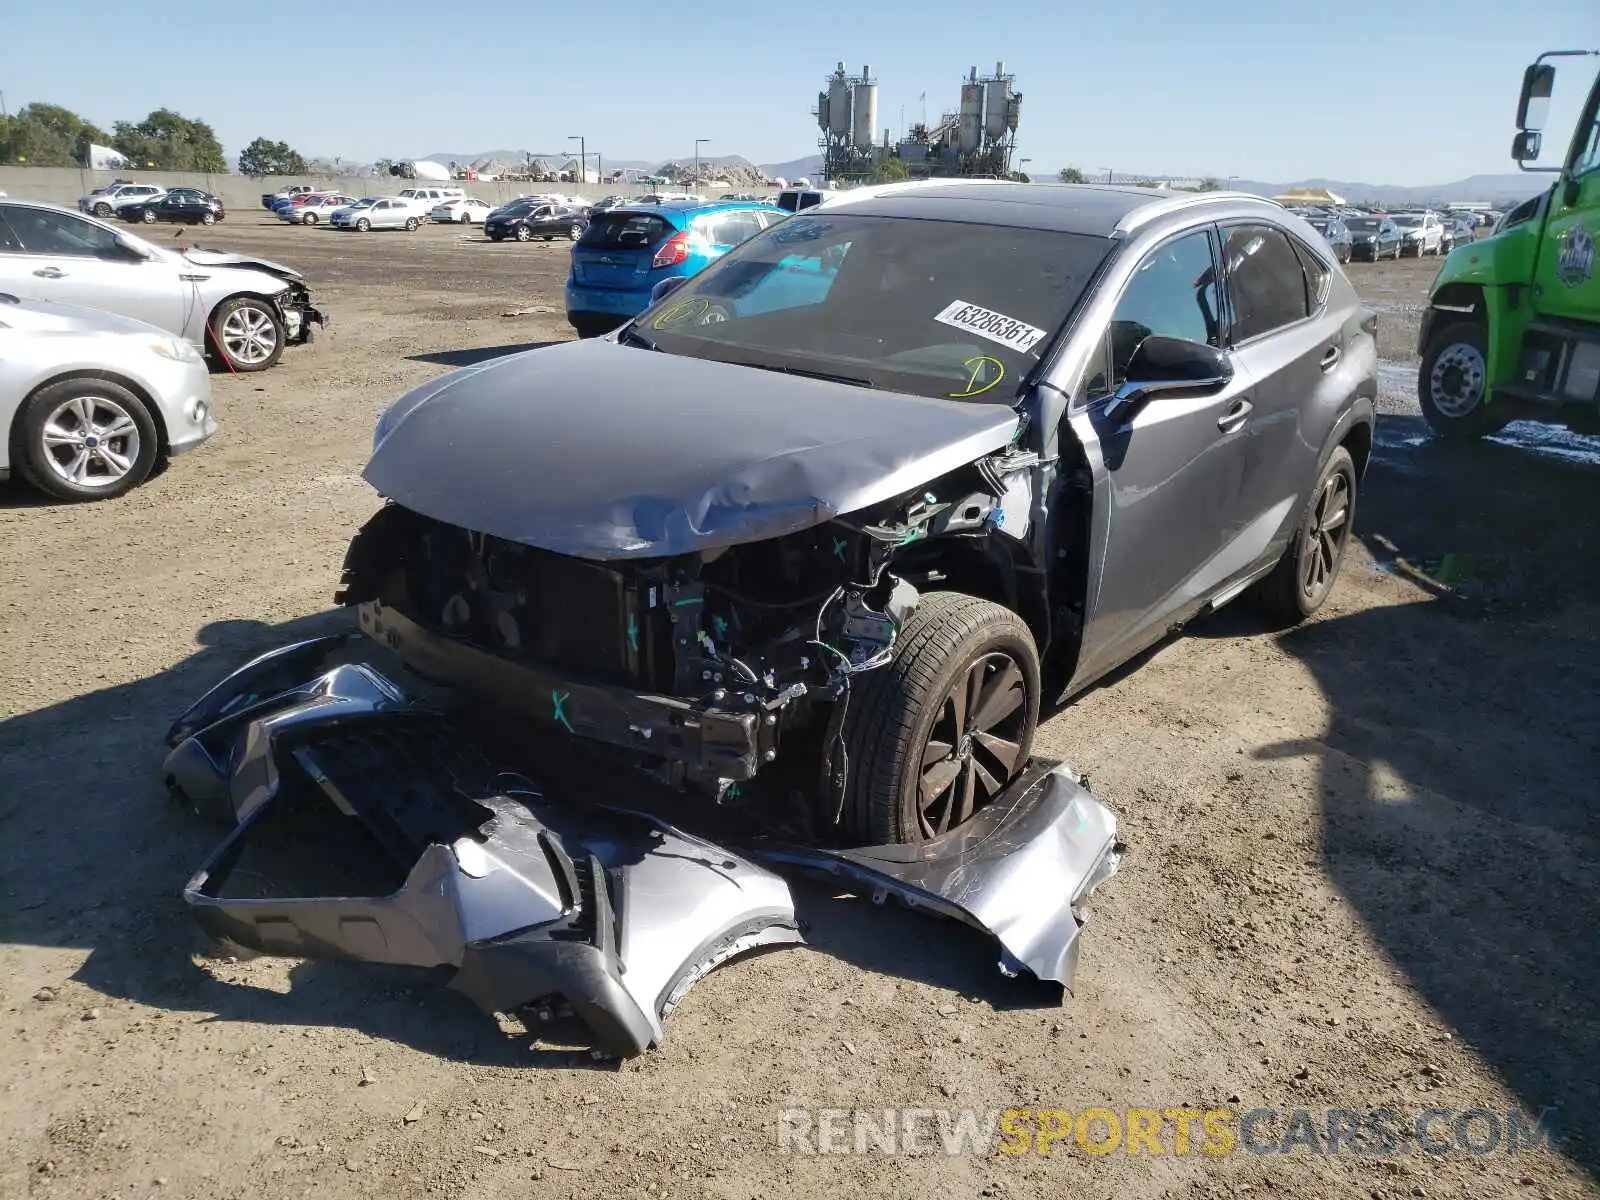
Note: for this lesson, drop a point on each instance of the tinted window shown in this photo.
(1318, 276)
(729, 229)
(8, 240)
(42, 231)
(932, 307)
(1265, 282)
(1173, 293)
(625, 231)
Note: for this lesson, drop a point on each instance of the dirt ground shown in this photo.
(1362, 865)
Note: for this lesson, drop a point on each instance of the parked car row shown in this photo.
(1371, 236)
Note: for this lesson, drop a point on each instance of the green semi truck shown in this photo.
(1512, 330)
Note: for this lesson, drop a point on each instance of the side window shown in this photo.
(8, 240)
(1265, 282)
(732, 228)
(1586, 148)
(1319, 277)
(43, 231)
(1173, 293)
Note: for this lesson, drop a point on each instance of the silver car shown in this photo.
(247, 309)
(89, 400)
(318, 208)
(104, 202)
(381, 212)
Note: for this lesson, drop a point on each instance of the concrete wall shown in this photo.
(63, 185)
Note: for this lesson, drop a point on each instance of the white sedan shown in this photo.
(463, 210)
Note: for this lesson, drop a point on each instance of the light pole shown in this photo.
(698, 142)
(583, 157)
(1021, 163)
(1108, 174)
(1231, 178)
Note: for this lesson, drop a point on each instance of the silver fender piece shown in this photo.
(1021, 870)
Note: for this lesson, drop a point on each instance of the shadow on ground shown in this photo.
(109, 853)
(475, 355)
(1458, 769)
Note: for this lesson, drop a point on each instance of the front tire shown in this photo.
(148, 216)
(945, 727)
(1453, 382)
(524, 234)
(1306, 573)
(86, 439)
(102, 209)
(363, 226)
(574, 233)
(411, 224)
(211, 219)
(247, 333)
(309, 219)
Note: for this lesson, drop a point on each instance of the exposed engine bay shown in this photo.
(700, 664)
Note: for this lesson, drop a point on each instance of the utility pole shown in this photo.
(583, 158)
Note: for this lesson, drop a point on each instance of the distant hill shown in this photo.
(809, 167)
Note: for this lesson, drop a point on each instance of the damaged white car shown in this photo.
(812, 542)
(243, 310)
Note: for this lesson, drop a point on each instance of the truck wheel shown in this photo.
(945, 727)
(1453, 382)
(1306, 573)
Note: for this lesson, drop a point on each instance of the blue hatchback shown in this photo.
(627, 250)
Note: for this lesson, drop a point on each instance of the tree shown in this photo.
(1070, 175)
(890, 170)
(169, 141)
(1209, 184)
(261, 158)
(47, 135)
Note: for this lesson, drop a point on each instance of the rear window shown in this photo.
(625, 231)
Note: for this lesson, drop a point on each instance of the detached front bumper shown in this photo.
(333, 768)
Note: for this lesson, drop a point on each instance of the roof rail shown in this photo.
(1146, 213)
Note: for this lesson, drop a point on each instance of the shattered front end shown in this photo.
(417, 851)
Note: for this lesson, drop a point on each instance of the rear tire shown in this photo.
(309, 219)
(1453, 382)
(148, 216)
(51, 430)
(1305, 575)
(411, 224)
(574, 233)
(942, 729)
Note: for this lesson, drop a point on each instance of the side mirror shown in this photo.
(1168, 364)
(666, 286)
(1525, 146)
(1533, 106)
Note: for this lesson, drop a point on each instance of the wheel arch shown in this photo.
(272, 301)
(1449, 302)
(140, 392)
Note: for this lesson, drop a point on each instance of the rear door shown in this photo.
(1173, 475)
(63, 257)
(1281, 334)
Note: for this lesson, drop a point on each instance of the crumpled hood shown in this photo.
(226, 258)
(603, 451)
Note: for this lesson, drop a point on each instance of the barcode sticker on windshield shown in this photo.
(997, 327)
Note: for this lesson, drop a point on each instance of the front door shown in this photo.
(66, 258)
(1567, 280)
(1169, 480)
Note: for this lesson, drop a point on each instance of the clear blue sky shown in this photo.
(1403, 91)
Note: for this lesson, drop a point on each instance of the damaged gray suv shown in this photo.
(880, 484)
(813, 541)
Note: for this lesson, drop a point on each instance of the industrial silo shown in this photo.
(969, 128)
(822, 111)
(1013, 111)
(839, 104)
(865, 116)
(996, 103)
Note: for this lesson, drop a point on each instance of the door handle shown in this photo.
(50, 273)
(1237, 414)
(1330, 358)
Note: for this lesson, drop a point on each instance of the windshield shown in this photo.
(367, 203)
(1408, 222)
(937, 308)
(1365, 224)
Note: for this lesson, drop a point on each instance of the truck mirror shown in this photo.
(1538, 81)
(1525, 146)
